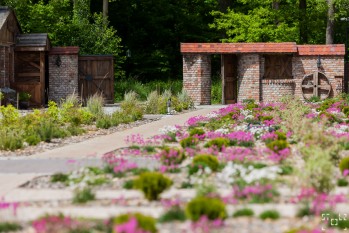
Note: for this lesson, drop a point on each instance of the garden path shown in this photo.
(17, 170)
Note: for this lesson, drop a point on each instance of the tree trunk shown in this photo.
(276, 7)
(105, 8)
(303, 23)
(330, 22)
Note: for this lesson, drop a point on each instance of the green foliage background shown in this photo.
(152, 30)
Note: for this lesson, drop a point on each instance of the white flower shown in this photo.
(246, 112)
(168, 129)
(232, 171)
(222, 131)
(212, 115)
(208, 170)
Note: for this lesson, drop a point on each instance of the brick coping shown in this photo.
(272, 48)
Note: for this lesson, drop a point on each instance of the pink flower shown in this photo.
(269, 135)
(240, 136)
(129, 227)
(170, 203)
(193, 121)
(346, 172)
(311, 115)
(204, 225)
(269, 122)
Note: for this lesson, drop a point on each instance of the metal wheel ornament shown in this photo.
(316, 84)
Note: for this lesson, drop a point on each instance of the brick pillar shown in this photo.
(249, 77)
(197, 77)
(63, 72)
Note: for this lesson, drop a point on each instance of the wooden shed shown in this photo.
(29, 64)
(9, 29)
(23, 58)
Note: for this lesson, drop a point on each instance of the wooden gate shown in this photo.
(229, 78)
(96, 75)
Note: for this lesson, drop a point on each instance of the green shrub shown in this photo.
(281, 135)
(196, 131)
(318, 170)
(216, 91)
(95, 104)
(266, 118)
(130, 102)
(173, 214)
(298, 230)
(152, 103)
(11, 139)
(104, 122)
(128, 184)
(10, 115)
(171, 156)
(286, 170)
(152, 184)
(248, 101)
(304, 211)
(47, 130)
(84, 195)
(243, 212)
(75, 130)
(189, 142)
(206, 160)
(184, 100)
(277, 145)
(342, 223)
(270, 214)
(344, 164)
(59, 177)
(136, 114)
(218, 142)
(212, 208)
(69, 110)
(342, 182)
(326, 104)
(33, 139)
(146, 223)
(314, 99)
(345, 110)
(9, 227)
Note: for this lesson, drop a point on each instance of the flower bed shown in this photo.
(258, 161)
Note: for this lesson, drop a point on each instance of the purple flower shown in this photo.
(346, 172)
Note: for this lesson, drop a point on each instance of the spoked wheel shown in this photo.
(316, 84)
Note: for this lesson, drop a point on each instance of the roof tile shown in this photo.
(286, 47)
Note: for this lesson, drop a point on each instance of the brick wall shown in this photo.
(248, 77)
(64, 73)
(251, 65)
(197, 77)
(331, 66)
(273, 90)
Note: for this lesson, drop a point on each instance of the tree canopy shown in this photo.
(152, 30)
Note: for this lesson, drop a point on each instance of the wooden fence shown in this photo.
(96, 75)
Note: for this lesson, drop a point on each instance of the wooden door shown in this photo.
(96, 75)
(30, 76)
(229, 78)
